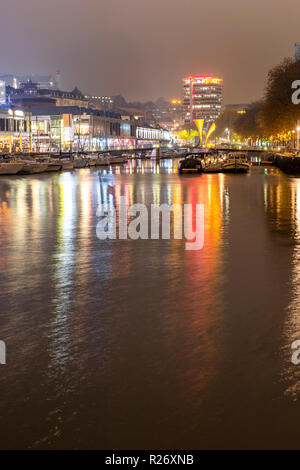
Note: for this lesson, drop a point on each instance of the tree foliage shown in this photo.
(278, 114)
(225, 121)
(248, 125)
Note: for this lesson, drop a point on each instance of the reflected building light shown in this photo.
(20, 197)
(85, 210)
(209, 192)
(297, 215)
(36, 203)
(265, 190)
(156, 193)
(169, 193)
(221, 186)
(66, 192)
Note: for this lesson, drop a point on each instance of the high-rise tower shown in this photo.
(202, 97)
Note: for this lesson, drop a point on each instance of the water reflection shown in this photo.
(111, 331)
(282, 202)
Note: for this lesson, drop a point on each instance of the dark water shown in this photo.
(142, 344)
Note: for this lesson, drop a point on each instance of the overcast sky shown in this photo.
(143, 48)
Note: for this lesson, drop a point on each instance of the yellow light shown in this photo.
(210, 131)
(199, 124)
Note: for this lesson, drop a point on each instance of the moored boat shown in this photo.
(10, 168)
(53, 166)
(236, 163)
(117, 160)
(30, 168)
(191, 164)
(212, 163)
(80, 162)
(213, 168)
(102, 160)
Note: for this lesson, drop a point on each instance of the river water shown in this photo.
(123, 344)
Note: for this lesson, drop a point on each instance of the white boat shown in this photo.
(102, 160)
(115, 159)
(67, 164)
(236, 163)
(53, 165)
(30, 168)
(10, 168)
(80, 162)
(97, 160)
(212, 163)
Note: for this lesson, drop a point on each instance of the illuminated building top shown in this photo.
(202, 97)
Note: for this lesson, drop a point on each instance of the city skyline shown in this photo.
(150, 228)
(109, 45)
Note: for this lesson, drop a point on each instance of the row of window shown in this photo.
(14, 125)
(150, 134)
(113, 128)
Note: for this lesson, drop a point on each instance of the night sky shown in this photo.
(142, 49)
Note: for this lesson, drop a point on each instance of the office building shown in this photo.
(202, 97)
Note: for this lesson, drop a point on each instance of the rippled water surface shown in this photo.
(143, 344)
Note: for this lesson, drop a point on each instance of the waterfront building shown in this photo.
(100, 102)
(41, 126)
(149, 137)
(30, 94)
(71, 128)
(14, 130)
(202, 97)
(67, 98)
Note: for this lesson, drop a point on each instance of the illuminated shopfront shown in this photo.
(14, 130)
(148, 137)
(76, 129)
(73, 129)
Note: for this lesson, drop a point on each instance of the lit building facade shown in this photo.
(14, 130)
(149, 137)
(202, 98)
(29, 93)
(73, 129)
